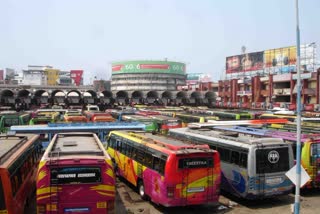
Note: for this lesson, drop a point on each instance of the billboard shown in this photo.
(244, 62)
(272, 61)
(148, 67)
(76, 75)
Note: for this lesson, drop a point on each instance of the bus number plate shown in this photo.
(195, 189)
(276, 180)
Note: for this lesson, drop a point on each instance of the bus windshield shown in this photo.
(75, 175)
(272, 160)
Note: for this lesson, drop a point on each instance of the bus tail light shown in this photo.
(41, 209)
(170, 192)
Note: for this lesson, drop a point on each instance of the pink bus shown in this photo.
(168, 171)
(75, 175)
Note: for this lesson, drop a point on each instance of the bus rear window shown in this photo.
(272, 160)
(203, 162)
(75, 175)
(2, 199)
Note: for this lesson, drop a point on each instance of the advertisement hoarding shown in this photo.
(244, 62)
(272, 61)
(76, 75)
(148, 67)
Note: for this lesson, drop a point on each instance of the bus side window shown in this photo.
(243, 160)
(124, 148)
(235, 156)
(129, 150)
(148, 160)
(112, 142)
(162, 166)
(134, 153)
(224, 154)
(118, 145)
(156, 164)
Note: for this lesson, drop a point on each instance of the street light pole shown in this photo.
(298, 152)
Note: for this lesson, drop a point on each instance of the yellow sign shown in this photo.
(280, 57)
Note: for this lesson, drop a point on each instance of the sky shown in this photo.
(90, 34)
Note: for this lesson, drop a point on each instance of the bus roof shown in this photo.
(165, 144)
(241, 141)
(9, 144)
(137, 117)
(75, 144)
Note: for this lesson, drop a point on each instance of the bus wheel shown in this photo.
(141, 190)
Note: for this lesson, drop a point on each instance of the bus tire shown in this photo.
(141, 190)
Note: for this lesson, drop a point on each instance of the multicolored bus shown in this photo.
(75, 175)
(151, 125)
(170, 172)
(13, 118)
(164, 123)
(187, 118)
(117, 114)
(19, 159)
(95, 117)
(291, 118)
(293, 128)
(74, 116)
(223, 115)
(44, 118)
(252, 168)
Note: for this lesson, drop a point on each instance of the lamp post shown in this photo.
(298, 162)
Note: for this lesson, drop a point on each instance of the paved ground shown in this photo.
(129, 202)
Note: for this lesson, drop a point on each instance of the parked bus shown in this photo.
(151, 125)
(147, 113)
(75, 175)
(293, 128)
(74, 116)
(13, 118)
(252, 168)
(95, 116)
(291, 118)
(44, 118)
(192, 118)
(117, 114)
(164, 123)
(170, 172)
(19, 158)
(60, 111)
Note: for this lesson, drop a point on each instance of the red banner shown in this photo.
(154, 66)
(117, 67)
(76, 75)
(1, 74)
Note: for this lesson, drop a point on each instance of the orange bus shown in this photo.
(73, 116)
(19, 158)
(96, 116)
